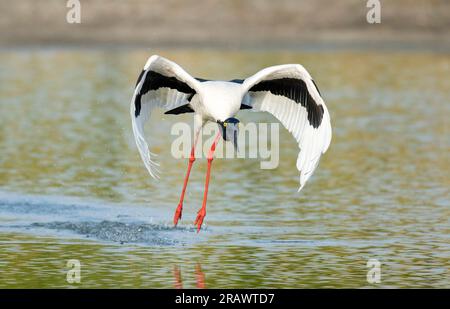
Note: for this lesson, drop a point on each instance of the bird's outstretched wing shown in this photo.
(289, 93)
(162, 83)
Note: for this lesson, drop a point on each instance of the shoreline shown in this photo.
(341, 45)
(229, 25)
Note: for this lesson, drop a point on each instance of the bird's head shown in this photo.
(229, 130)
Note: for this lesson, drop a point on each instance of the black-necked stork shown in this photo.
(286, 91)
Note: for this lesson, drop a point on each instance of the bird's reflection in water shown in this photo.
(199, 277)
(178, 283)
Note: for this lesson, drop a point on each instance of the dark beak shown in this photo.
(235, 141)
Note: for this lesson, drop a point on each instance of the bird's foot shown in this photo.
(199, 220)
(177, 215)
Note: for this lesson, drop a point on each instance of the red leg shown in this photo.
(179, 209)
(202, 212)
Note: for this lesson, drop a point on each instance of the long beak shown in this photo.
(235, 141)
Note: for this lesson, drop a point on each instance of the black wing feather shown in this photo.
(296, 90)
(154, 81)
(180, 110)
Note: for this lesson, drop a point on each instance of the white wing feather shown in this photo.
(165, 98)
(313, 142)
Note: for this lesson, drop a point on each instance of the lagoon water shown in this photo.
(72, 185)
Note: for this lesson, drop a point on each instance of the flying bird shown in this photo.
(288, 92)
